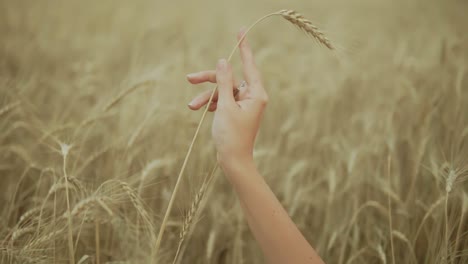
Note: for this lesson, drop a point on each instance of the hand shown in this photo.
(237, 118)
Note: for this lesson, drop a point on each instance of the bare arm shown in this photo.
(234, 129)
(278, 236)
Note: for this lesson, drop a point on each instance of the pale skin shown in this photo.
(234, 129)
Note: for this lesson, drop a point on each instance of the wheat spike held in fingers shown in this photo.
(306, 25)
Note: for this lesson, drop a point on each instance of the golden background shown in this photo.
(96, 91)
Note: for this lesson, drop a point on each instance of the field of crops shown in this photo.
(366, 146)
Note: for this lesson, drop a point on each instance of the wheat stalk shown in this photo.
(371, 204)
(89, 203)
(389, 163)
(125, 92)
(461, 223)
(83, 259)
(192, 212)
(291, 16)
(8, 108)
(64, 149)
(451, 178)
(306, 25)
(71, 184)
(357, 254)
(402, 237)
(97, 239)
(426, 216)
(140, 208)
(93, 157)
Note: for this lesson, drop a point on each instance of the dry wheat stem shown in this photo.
(83, 259)
(402, 237)
(426, 216)
(88, 203)
(65, 149)
(127, 91)
(76, 186)
(357, 254)
(80, 228)
(389, 161)
(292, 17)
(461, 222)
(372, 204)
(98, 248)
(8, 108)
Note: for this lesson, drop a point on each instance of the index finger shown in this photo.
(251, 73)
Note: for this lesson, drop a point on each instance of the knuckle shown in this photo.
(263, 99)
(212, 77)
(220, 78)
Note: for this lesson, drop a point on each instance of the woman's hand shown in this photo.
(237, 118)
(235, 127)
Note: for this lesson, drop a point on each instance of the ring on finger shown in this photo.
(242, 84)
(237, 89)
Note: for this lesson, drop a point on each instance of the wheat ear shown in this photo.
(451, 178)
(291, 16)
(192, 213)
(188, 219)
(21, 232)
(306, 25)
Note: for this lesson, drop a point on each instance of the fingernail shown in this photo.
(190, 75)
(222, 63)
(190, 105)
(193, 102)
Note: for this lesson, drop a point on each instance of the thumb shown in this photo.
(225, 82)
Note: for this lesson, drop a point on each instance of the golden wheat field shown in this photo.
(365, 146)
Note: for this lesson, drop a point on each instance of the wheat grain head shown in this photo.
(306, 25)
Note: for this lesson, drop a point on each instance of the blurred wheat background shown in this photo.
(366, 147)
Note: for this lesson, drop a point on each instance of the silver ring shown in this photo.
(237, 89)
(242, 84)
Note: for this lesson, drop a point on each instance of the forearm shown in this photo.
(235, 126)
(276, 233)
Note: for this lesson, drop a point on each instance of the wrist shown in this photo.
(233, 165)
